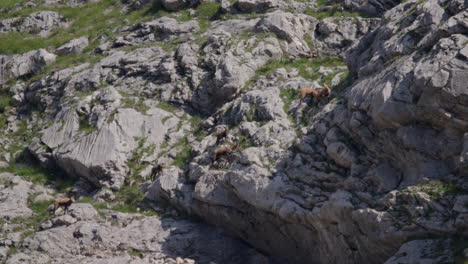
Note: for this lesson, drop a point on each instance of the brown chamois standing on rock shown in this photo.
(156, 170)
(315, 93)
(61, 202)
(223, 150)
(221, 134)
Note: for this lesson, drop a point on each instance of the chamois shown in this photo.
(325, 92)
(221, 134)
(64, 203)
(316, 93)
(223, 150)
(156, 170)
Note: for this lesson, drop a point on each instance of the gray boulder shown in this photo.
(41, 23)
(423, 251)
(370, 7)
(26, 63)
(174, 5)
(83, 212)
(154, 239)
(290, 27)
(73, 47)
(256, 6)
(14, 194)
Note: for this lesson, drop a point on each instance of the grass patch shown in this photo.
(185, 155)
(309, 42)
(135, 253)
(40, 215)
(288, 96)
(334, 11)
(207, 10)
(438, 189)
(12, 251)
(131, 199)
(9, 4)
(134, 102)
(459, 244)
(134, 163)
(5, 98)
(93, 20)
(86, 199)
(85, 126)
(245, 142)
(39, 175)
(307, 67)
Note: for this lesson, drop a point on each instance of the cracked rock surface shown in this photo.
(249, 172)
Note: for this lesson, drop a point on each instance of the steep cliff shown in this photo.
(376, 172)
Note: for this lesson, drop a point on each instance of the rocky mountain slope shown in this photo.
(95, 93)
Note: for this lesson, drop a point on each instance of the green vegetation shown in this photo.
(334, 11)
(8, 4)
(167, 106)
(38, 175)
(185, 154)
(85, 127)
(438, 189)
(204, 12)
(5, 98)
(207, 10)
(12, 251)
(245, 142)
(134, 163)
(32, 223)
(195, 124)
(251, 113)
(307, 67)
(93, 20)
(135, 253)
(131, 200)
(321, 2)
(288, 96)
(308, 40)
(459, 244)
(134, 102)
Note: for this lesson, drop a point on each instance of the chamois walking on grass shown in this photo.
(63, 202)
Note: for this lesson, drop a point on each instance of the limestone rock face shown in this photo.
(73, 47)
(40, 23)
(14, 193)
(422, 251)
(350, 177)
(256, 6)
(101, 155)
(27, 63)
(174, 5)
(153, 240)
(370, 7)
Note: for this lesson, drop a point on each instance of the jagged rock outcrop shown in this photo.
(73, 47)
(24, 64)
(174, 5)
(256, 6)
(333, 37)
(290, 27)
(68, 2)
(88, 236)
(40, 23)
(348, 178)
(307, 196)
(371, 7)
